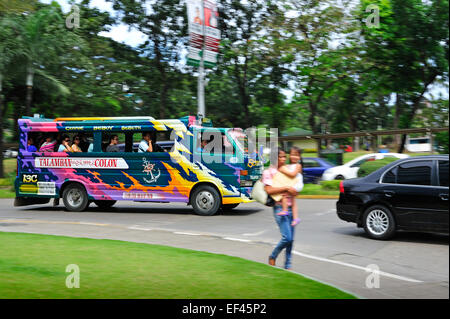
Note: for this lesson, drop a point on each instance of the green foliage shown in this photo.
(442, 141)
(309, 150)
(371, 166)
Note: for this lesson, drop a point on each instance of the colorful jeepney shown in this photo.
(182, 172)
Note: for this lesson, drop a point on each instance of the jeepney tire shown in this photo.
(228, 207)
(75, 198)
(104, 203)
(205, 200)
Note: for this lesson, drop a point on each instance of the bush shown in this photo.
(371, 166)
(330, 185)
(442, 141)
(309, 150)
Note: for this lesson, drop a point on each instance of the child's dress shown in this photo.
(299, 185)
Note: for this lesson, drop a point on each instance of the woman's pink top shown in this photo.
(267, 179)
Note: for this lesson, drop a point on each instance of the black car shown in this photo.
(409, 194)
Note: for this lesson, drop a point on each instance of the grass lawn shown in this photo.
(7, 184)
(7, 193)
(10, 165)
(35, 268)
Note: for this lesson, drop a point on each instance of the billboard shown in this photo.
(203, 28)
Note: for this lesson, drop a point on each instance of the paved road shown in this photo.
(412, 265)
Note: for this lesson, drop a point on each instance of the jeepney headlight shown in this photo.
(246, 183)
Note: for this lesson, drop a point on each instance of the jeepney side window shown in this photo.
(34, 140)
(163, 141)
(113, 142)
(53, 142)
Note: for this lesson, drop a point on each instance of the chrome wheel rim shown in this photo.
(205, 200)
(377, 222)
(74, 197)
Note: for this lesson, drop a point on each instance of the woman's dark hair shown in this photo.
(110, 138)
(279, 150)
(299, 152)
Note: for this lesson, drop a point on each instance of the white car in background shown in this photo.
(350, 169)
(10, 153)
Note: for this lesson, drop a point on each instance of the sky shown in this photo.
(119, 32)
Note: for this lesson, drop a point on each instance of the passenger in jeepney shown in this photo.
(30, 145)
(113, 141)
(84, 144)
(148, 143)
(48, 145)
(91, 144)
(202, 146)
(76, 144)
(65, 144)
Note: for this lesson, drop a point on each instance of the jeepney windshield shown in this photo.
(240, 139)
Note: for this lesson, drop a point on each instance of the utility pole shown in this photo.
(201, 72)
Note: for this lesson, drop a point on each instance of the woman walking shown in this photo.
(284, 221)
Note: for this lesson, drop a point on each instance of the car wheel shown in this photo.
(105, 203)
(205, 200)
(339, 177)
(229, 206)
(75, 198)
(378, 222)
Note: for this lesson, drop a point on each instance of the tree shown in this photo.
(43, 38)
(409, 50)
(163, 23)
(8, 49)
(303, 43)
(17, 6)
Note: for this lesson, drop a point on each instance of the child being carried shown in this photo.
(289, 175)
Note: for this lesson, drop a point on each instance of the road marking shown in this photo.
(327, 212)
(185, 233)
(93, 224)
(254, 234)
(237, 239)
(139, 228)
(382, 273)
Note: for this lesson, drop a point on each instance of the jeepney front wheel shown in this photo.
(75, 198)
(205, 200)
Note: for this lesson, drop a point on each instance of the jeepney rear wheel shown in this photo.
(205, 200)
(75, 198)
(105, 203)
